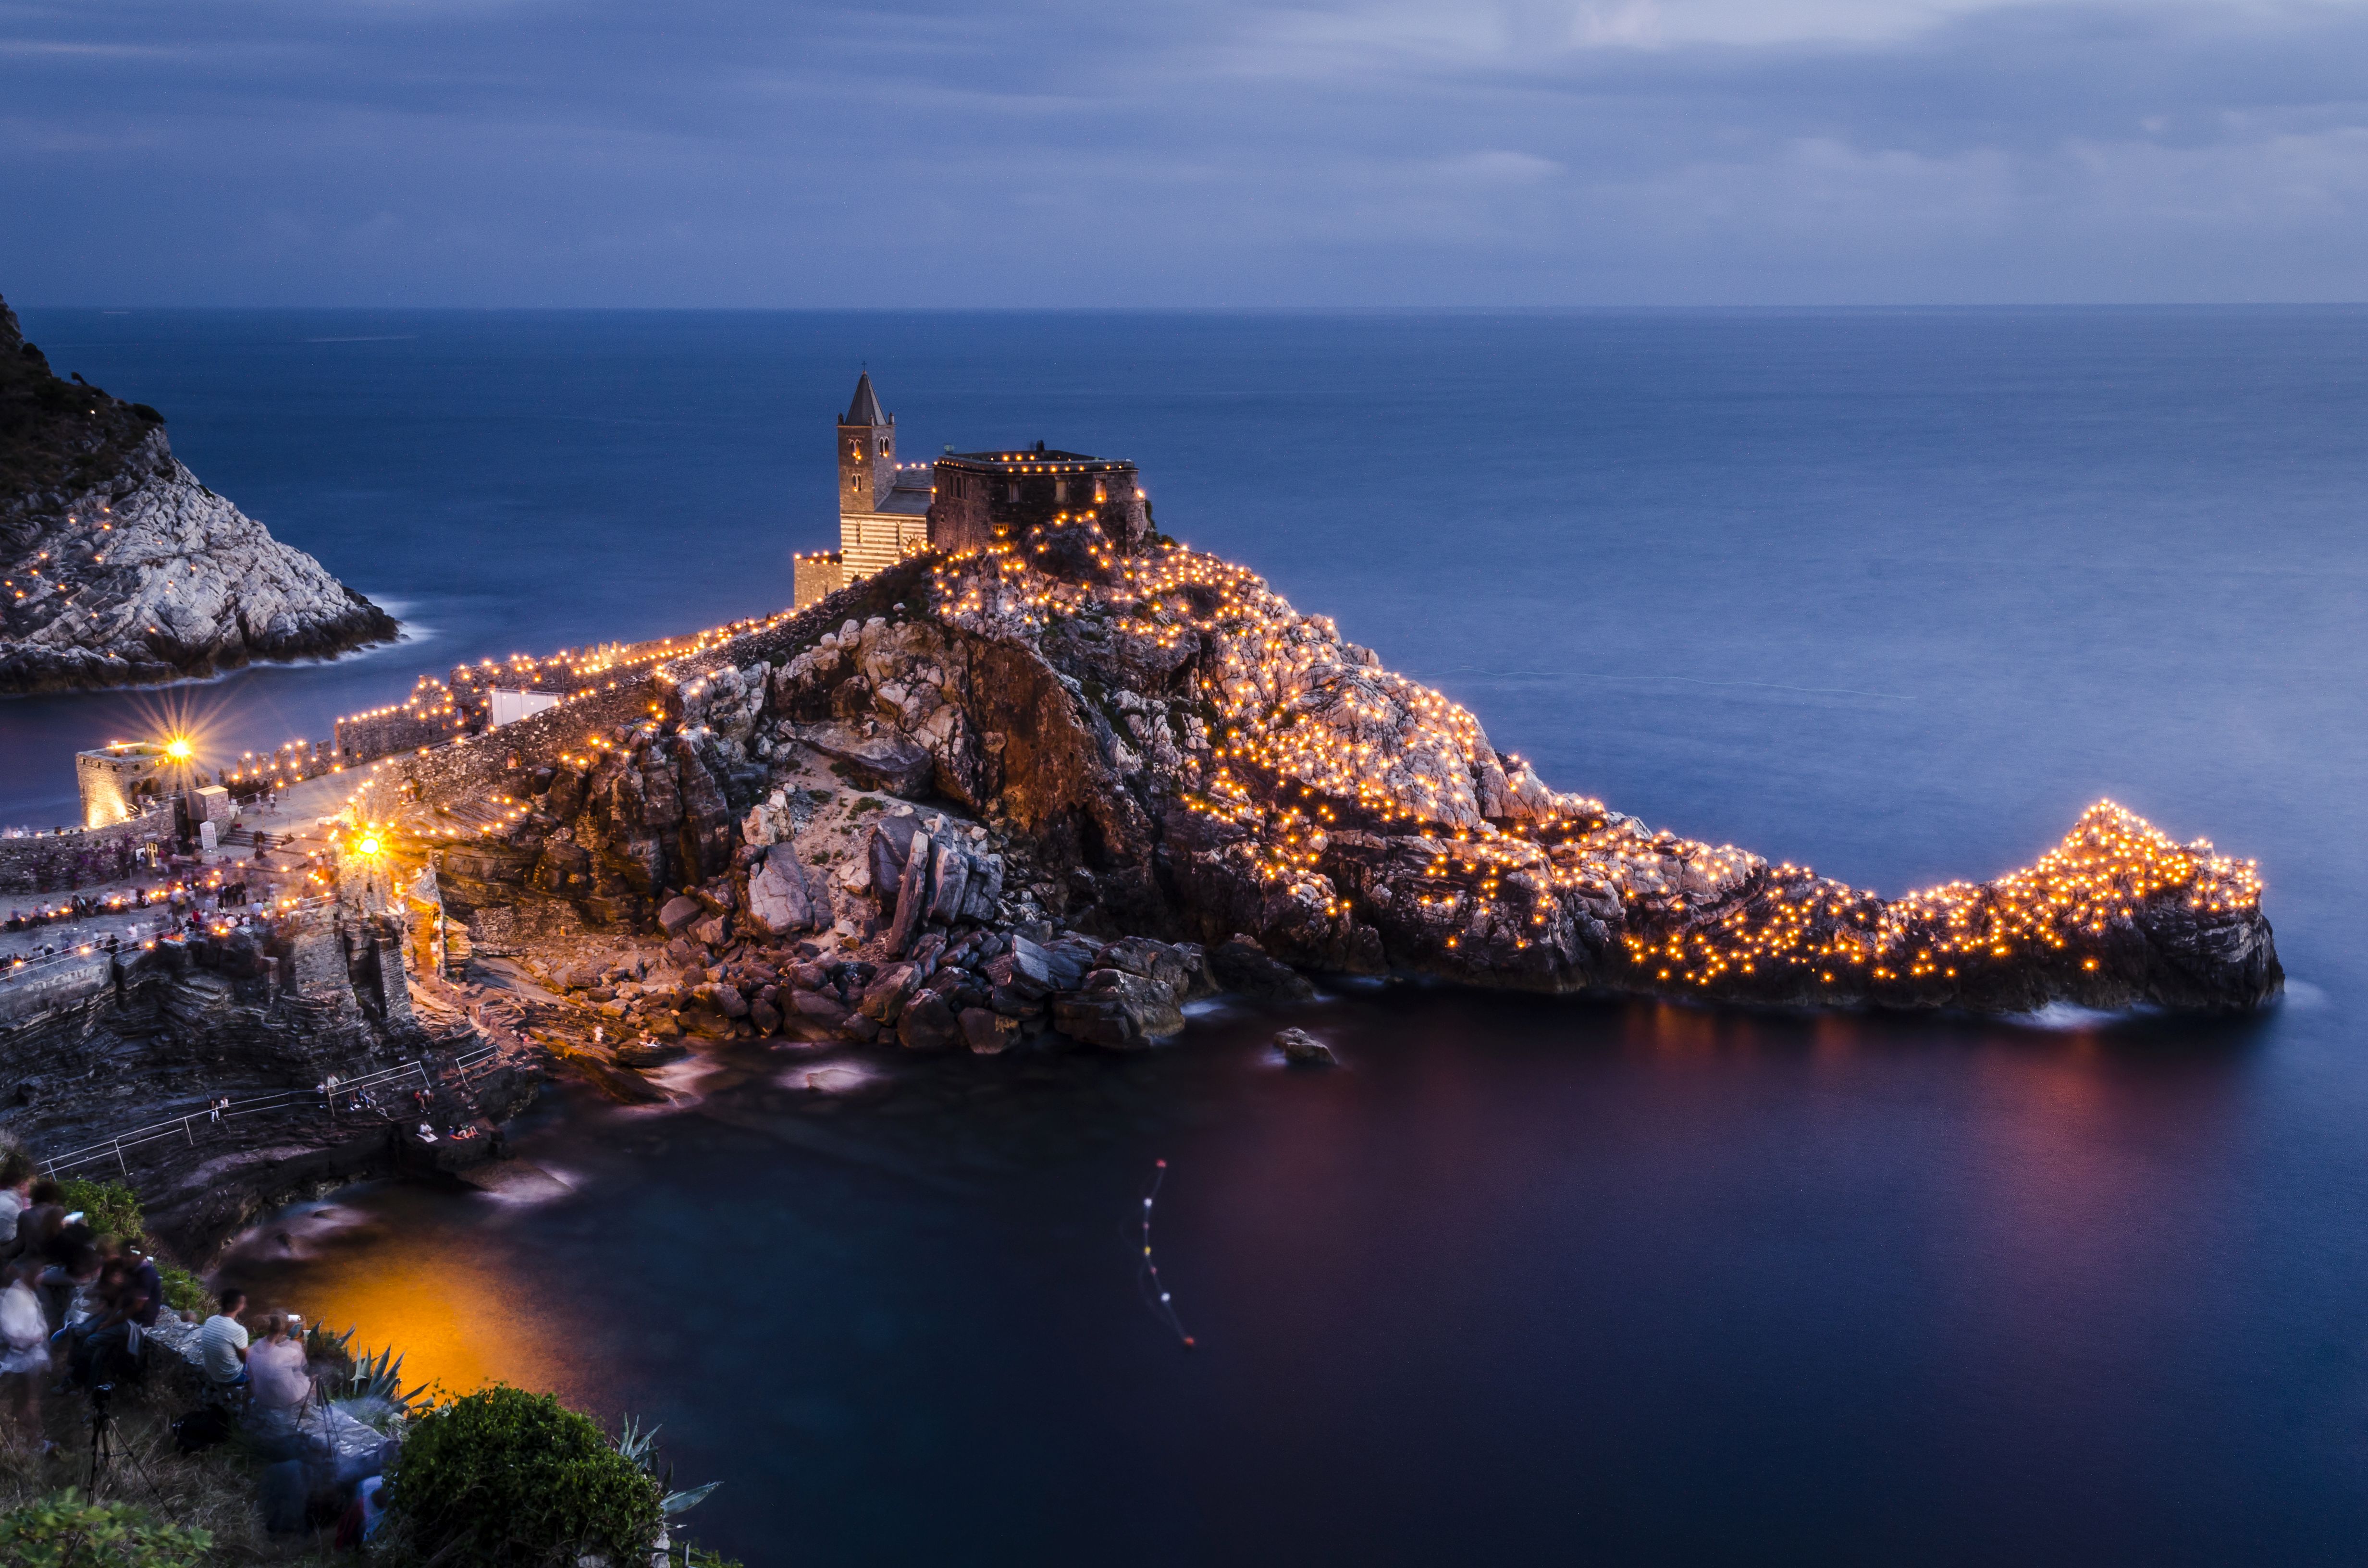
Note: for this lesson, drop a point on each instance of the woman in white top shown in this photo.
(24, 1349)
(276, 1369)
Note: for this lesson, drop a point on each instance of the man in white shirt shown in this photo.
(221, 1342)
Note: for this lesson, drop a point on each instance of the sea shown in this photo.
(1897, 593)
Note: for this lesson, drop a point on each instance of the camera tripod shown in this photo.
(105, 1444)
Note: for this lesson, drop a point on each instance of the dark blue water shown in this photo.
(1894, 593)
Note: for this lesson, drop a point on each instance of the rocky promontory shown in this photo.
(120, 568)
(939, 806)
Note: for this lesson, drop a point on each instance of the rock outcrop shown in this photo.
(102, 1052)
(1154, 745)
(120, 568)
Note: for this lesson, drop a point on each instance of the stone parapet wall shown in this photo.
(370, 736)
(45, 987)
(816, 576)
(473, 764)
(59, 862)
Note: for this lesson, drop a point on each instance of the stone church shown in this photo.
(963, 501)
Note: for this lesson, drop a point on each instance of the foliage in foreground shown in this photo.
(62, 1530)
(110, 1207)
(508, 1479)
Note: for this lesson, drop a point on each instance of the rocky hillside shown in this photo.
(118, 567)
(1154, 745)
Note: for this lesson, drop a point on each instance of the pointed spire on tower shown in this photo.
(865, 409)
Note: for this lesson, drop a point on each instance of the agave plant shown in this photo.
(640, 1447)
(373, 1392)
(321, 1345)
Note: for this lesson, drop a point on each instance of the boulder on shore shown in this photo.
(1304, 1050)
(1243, 967)
(1119, 1011)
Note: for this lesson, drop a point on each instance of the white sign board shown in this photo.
(509, 707)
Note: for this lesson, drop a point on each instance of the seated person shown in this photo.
(276, 1369)
(221, 1344)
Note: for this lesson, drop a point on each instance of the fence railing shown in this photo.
(323, 1097)
(133, 936)
(24, 968)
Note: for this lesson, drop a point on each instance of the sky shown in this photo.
(1181, 153)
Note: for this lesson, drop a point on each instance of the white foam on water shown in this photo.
(830, 1077)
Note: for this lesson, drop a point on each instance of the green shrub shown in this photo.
(508, 1479)
(184, 1292)
(110, 1207)
(61, 1531)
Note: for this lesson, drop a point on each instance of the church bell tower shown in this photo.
(867, 452)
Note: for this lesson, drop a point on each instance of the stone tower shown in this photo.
(867, 452)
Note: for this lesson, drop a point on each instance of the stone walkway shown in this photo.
(294, 818)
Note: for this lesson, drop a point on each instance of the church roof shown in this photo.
(865, 409)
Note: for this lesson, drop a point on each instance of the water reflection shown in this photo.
(427, 1272)
(1705, 1280)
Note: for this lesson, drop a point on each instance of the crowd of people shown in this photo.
(173, 898)
(52, 1259)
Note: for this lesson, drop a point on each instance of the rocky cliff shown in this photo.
(118, 567)
(106, 1045)
(1156, 745)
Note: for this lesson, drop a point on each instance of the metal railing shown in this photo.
(323, 1098)
(22, 968)
(163, 930)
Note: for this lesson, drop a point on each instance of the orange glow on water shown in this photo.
(456, 1314)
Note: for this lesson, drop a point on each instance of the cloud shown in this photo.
(936, 152)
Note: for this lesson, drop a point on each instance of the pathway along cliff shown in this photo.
(119, 568)
(930, 807)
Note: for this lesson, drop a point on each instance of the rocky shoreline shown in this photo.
(120, 568)
(1055, 792)
(1007, 803)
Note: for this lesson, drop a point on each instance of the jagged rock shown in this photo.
(886, 849)
(827, 1011)
(928, 1024)
(989, 1033)
(1179, 969)
(883, 999)
(1067, 961)
(1304, 1050)
(1022, 970)
(131, 572)
(765, 1016)
(779, 902)
(885, 759)
(1241, 966)
(911, 892)
(648, 1053)
(724, 999)
(714, 931)
(949, 881)
(984, 894)
(1119, 1011)
(679, 914)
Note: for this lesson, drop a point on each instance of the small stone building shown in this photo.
(122, 780)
